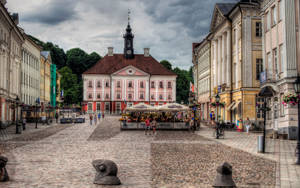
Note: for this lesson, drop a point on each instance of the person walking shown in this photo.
(91, 119)
(147, 128)
(153, 125)
(103, 115)
(95, 119)
(247, 124)
(56, 117)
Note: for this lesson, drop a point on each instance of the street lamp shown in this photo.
(16, 107)
(297, 90)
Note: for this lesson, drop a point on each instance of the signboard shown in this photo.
(263, 77)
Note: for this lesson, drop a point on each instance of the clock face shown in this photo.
(128, 51)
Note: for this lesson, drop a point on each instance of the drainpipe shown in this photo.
(242, 61)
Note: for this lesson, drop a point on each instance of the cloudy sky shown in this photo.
(167, 27)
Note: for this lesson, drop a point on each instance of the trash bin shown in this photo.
(260, 142)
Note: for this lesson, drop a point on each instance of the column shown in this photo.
(215, 63)
(219, 61)
(237, 58)
(228, 59)
(223, 60)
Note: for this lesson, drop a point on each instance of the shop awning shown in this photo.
(230, 106)
(236, 105)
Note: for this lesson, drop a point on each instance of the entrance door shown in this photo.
(107, 107)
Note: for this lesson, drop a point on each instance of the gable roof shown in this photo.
(221, 11)
(111, 64)
(225, 8)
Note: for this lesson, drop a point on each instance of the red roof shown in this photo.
(111, 64)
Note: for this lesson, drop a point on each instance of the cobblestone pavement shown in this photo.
(281, 151)
(64, 159)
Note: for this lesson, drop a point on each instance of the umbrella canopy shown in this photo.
(173, 107)
(140, 107)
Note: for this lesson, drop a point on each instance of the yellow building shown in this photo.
(45, 79)
(236, 59)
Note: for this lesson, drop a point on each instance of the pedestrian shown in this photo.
(153, 125)
(91, 119)
(56, 117)
(95, 119)
(24, 123)
(99, 116)
(192, 124)
(147, 128)
(103, 115)
(248, 125)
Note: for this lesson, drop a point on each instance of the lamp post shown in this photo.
(16, 107)
(217, 118)
(297, 90)
(36, 119)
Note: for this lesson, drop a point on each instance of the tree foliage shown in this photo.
(166, 64)
(71, 65)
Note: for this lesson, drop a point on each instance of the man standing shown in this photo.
(56, 117)
(95, 119)
(147, 128)
(247, 124)
(91, 119)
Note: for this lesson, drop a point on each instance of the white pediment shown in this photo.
(130, 71)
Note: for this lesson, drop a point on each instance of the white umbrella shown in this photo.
(140, 107)
(173, 107)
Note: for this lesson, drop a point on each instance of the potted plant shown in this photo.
(291, 99)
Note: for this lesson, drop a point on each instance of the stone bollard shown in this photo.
(106, 172)
(224, 176)
(3, 173)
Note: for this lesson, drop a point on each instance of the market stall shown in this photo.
(169, 116)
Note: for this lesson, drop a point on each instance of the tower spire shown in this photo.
(128, 41)
(128, 16)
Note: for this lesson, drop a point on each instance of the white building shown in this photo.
(11, 41)
(30, 82)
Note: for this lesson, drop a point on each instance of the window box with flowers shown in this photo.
(291, 99)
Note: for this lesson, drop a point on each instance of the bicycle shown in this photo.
(219, 132)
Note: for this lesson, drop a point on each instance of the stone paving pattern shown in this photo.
(281, 151)
(64, 159)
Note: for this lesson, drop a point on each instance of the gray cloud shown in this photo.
(52, 12)
(168, 27)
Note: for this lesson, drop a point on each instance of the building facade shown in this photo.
(201, 61)
(45, 79)
(30, 74)
(11, 40)
(120, 80)
(281, 51)
(53, 86)
(235, 59)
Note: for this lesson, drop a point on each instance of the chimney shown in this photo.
(3, 2)
(110, 51)
(146, 52)
(15, 17)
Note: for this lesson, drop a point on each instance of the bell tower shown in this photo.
(128, 41)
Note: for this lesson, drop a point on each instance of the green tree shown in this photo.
(166, 64)
(76, 60)
(69, 86)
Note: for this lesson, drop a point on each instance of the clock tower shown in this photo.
(128, 42)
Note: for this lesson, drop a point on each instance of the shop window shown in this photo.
(90, 107)
(98, 106)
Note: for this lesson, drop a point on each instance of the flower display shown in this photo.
(290, 98)
(215, 104)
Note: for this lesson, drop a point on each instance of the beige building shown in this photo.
(201, 61)
(11, 41)
(281, 51)
(45, 79)
(235, 53)
(30, 74)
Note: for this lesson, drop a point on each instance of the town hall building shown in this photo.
(121, 80)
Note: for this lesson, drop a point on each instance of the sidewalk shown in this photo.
(10, 132)
(281, 151)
